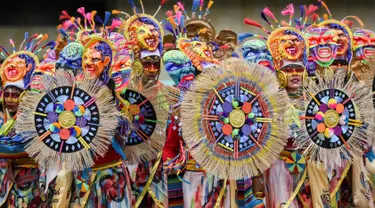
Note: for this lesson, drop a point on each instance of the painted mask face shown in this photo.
(148, 36)
(179, 68)
(227, 42)
(70, 57)
(323, 45)
(121, 72)
(290, 45)
(11, 98)
(364, 44)
(255, 51)
(44, 68)
(97, 58)
(17, 67)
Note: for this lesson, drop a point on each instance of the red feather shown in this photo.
(252, 22)
(169, 13)
(162, 2)
(315, 17)
(289, 10)
(64, 15)
(311, 9)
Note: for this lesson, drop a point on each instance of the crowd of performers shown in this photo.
(283, 119)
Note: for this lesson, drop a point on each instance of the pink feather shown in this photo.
(67, 24)
(116, 23)
(311, 9)
(181, 6)
(178, 16)
(289, 10)
(81, 10)
(201, 3)
(64, 15)
(89, 17)
(268, 12)
(315, 17)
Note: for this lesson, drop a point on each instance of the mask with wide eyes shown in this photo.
(364, 44)
(148, 37)
(202, 50)
(322, 45)
(255, 51)
(291, 47)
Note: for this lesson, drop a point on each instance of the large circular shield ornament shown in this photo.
(338, 116)
(71, 121)
(231, 121)
(146, 114)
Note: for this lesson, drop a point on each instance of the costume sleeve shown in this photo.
(172, 144)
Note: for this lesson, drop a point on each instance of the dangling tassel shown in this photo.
(289, 10)
(26, 36)
(268, 12)
(183, 9)
(210, 3)
(81, 10)
(200, 8)
(253, 23)
(194, 8)
(12, 44)
(45, 37)
(309, 11)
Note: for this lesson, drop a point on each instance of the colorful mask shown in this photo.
(287, 46)
(147, 34)
(364, 44)
(70, 57)
(18, 67)
(255, 51)
(198, 52)
(227, 43)
(179, 68)
(97, 58)
(121, 70)
(344, 41)
(323, 44)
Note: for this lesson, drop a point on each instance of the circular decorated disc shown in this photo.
(332, 112)
(67, 119)
(143, 116)
(231, 120)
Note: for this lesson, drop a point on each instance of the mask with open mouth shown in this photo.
(364, 44)
(255, 51)
(323, 44)
(344, 39)
(97, 59)
(146, 34)
(120, 73)
(179, 68)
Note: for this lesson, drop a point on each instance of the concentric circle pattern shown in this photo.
(67, 119)
(332, 118)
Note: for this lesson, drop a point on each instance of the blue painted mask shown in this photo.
(70, 57)
(179, 68)
(255, 51)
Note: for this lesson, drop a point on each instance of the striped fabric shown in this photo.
(244, 191)
(175, 194)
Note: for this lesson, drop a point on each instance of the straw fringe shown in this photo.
(200, 143)
(144, 152)
(99, 145)
(360, 137)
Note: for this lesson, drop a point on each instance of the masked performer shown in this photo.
(19, 174)
(146, 133)
(255, 50)
(289, 50)
(226, 43)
